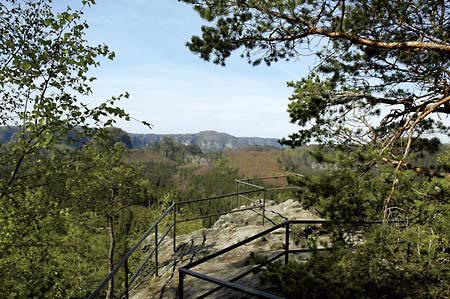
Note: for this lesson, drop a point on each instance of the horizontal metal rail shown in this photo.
(179, 203)
(283, 188)
(238, 244)
(245, 197)
(186, 270)
(243, 274)
(254, 237)
(362, 222)
(228, 284)
(250, 185)
(218, 214)
(273, 177)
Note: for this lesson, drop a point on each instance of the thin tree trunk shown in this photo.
(112, 244)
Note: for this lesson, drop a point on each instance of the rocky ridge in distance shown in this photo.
(207, 141)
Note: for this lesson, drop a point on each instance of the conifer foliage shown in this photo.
(381, 80)
(382, 66)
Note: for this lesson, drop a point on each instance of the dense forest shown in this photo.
(111, 193)
(71, 229)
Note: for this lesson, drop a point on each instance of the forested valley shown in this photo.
(75, 223)
(82, 207)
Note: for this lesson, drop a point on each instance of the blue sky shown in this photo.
(174, 89)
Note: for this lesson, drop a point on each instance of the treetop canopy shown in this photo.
(382, 71)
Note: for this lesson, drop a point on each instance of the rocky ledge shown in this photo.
(228, 230)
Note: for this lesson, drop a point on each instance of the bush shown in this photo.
(376, 269)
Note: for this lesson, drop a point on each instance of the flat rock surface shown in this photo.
(228, 230)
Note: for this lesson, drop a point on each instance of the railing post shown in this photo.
(237, 191)
(156, 250)
(126, 279)
(180, 284)
(174, 227)
(264, 207)
(209, 212)
(286, 252)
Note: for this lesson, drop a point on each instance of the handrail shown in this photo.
(174, 208)
(283, 188)
(178, 203)
(254, 237)
(243, 274)
(273, 177)
(187, 270)
(231, 285)
(251, 185)
(219, 214)
(128, 254)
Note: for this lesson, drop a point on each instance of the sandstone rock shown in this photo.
(228, 230)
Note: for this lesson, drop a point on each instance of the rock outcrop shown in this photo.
(207, 141)
(228, 230)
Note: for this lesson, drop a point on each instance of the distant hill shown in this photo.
(207, 141)
(72, 139)
(7, 133)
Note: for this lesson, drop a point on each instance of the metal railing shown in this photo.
(230, 283)
(252, 183)
(124, 261)
(253, 195)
